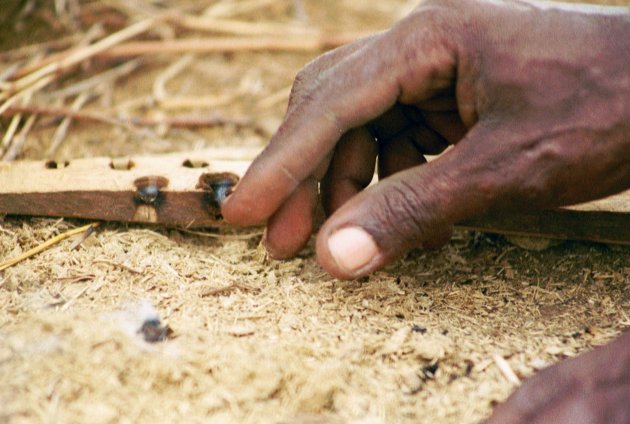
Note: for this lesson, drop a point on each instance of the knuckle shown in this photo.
(306, 84)
(427, 42)
(407, 215)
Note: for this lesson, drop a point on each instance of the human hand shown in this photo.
(591, 388)
(535, 99)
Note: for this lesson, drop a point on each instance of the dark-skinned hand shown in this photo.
(535, 100)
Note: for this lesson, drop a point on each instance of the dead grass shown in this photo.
(259, 341)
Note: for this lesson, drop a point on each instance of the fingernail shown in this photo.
(352, 248)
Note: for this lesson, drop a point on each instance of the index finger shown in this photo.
(356, 90)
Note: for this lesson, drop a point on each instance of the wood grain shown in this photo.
(104, 189)
(107, 189)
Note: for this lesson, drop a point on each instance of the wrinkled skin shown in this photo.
(534, 99)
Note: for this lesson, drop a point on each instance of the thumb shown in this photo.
(413, 208)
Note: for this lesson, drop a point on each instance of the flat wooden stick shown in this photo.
(605, 226)
(184, 190)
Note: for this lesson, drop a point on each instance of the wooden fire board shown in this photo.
(183, 190)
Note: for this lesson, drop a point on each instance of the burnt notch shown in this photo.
(52, 164)
(217, 187)
(148, 189)
(194, 163)
(121, 164)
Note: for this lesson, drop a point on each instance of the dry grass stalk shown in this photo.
(166, 101)
(62, 129)
(506, 370)
(27, 51)
(26, 93)
(37, 77)
(233, 44)
(222, 236)
(229, 8)
(38, 249)
(182, 121)
(17, 145)
(10, 132)
(194, 102)
(105, 77)
(159, 85)
(239, 27)
(83, 41)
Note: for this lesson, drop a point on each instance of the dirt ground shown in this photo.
(254, 340)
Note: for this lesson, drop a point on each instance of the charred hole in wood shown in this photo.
(121, 164)
(188, 163)
(53, 164)
(217, 188)
(148, 190)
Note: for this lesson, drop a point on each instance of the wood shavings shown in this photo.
(395, 342)
(259, 340)
(241, 330)
(506, 370)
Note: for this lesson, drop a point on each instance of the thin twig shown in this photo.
(222, 236)
(8, 73)
(24, 93)
(92, 34)
(181, 121)
(239, 27)
(165, 101)
(17, 146)
(197, 102)
(69, 303)
(7, 139)
(38, 249)
(87, 233)
(506, 370)
(78, 56)
(232, 44)
(119, 265)
(61, 131)
(229, 8)
(89, 83)
(31, 49)
(159, 85)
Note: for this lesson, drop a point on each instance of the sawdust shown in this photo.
(261, 341)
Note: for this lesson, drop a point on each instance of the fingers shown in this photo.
(448, 125)
(416, 207)
(313, 69)
(593, 387)
(290, 227)
(357, 89)
(407, 149)
(397, 155)
(606, 405)
(409, 209)
(378, 225)
(351, 168)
